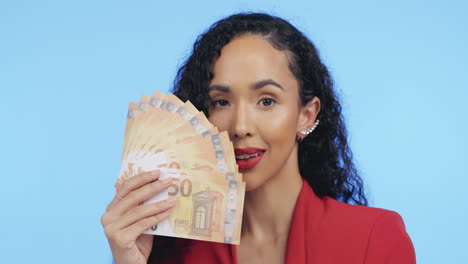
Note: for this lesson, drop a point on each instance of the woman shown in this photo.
(261, 80)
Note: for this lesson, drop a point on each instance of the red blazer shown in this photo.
(322, 230)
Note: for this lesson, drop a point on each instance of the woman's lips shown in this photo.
(248, 158)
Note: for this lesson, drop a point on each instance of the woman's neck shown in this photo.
(268, 210)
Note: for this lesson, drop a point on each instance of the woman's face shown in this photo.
(255, 98)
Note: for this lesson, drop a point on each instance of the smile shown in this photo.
(248, 158)
(245, 156)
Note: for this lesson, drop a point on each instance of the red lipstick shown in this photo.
(248, 158)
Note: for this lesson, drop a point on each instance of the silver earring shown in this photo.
(307, 132)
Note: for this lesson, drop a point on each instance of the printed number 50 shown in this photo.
(184, 187)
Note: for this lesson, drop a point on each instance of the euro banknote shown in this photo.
(164, 133)
(209, 206)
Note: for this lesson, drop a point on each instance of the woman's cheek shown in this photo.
(287, 116)
(279, 124)
(220, 119)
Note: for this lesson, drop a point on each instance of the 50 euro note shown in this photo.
(209, 203)
(209, 206)
(214, 152)
(165, 133)
(211, 153)
(156, 116)
(196, 125)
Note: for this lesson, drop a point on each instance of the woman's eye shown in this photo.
(220, 103)
(267, 102)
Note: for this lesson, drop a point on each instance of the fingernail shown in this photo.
(155, 172)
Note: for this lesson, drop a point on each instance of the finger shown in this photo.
(139, 227)
(131, 184)
(136, 197)
(141, 212)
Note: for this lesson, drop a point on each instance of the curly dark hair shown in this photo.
(325, 159)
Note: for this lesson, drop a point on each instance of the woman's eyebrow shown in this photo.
(221, 88)
(254, 86)
(263, 83)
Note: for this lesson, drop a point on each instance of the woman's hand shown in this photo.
(126, 217)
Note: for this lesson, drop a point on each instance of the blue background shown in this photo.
(69, 68)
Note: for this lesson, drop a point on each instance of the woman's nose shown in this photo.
(242, 124)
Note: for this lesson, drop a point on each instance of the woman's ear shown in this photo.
(308, 118)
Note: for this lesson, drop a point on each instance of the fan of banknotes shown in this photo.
(164, 133)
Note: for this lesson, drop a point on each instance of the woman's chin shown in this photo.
(251, 182)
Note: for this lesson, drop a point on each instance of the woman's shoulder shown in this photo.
(328, 212)
(364, 217)
(365, 233)
(383, 232)
(337, 214)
